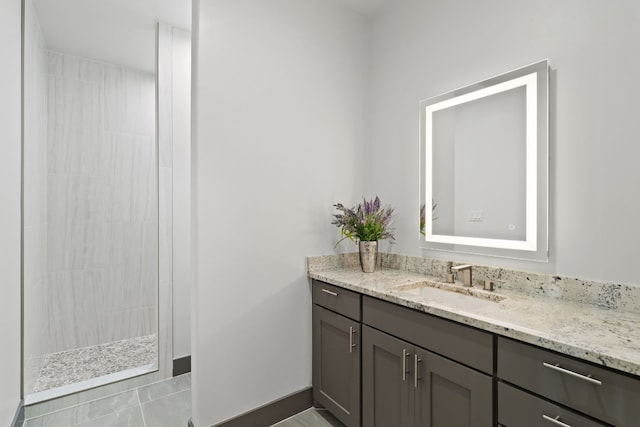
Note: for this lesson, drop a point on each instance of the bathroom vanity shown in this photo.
(400, 348)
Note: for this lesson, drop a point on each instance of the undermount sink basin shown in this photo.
(454, 296)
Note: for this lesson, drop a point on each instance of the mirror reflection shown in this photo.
(489, 132)
(484, 166)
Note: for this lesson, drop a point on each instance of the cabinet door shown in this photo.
(449, 394)
(386, 380)
(336, 365)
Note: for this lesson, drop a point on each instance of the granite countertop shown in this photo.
(604, 336)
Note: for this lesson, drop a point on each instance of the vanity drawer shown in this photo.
(336, 299)
(517, 408)
(604, 394)
(461, 343)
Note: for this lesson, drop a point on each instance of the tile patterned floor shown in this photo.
(312, 417)
(73, 366)
(163, 404)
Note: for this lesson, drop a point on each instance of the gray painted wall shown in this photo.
(174, 107)
(279, 94)
(296, 109)
(10, 81)
(423, 48)
(181, 116)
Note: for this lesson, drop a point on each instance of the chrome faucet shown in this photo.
(466, 271)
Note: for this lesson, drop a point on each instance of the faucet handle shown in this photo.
(467, 273)
(449, 276)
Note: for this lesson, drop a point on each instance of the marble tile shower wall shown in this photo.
(102, 204)
(35, 189)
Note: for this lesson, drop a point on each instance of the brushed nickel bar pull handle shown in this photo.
(555, 420)
(327, 291)
(405, 354)
(416, 377)
(352, 331)
(573, 374)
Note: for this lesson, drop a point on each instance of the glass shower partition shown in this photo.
(90, 218)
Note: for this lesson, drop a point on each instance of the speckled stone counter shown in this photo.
(594, 321)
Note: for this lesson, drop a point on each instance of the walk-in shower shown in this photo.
(92, 215)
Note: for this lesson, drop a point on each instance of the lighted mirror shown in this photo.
(484, 166)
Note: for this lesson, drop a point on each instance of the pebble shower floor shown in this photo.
(81, 364)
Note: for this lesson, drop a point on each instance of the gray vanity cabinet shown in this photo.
(561, 381)
(451, 394)
(387, 385)
(336, 352)
(405, 385)
(377, 363)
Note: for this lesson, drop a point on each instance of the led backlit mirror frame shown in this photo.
(534, 81)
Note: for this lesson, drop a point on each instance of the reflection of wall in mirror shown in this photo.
(479, 167)
(443, 153)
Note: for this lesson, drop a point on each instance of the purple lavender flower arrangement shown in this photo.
(367, 221)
